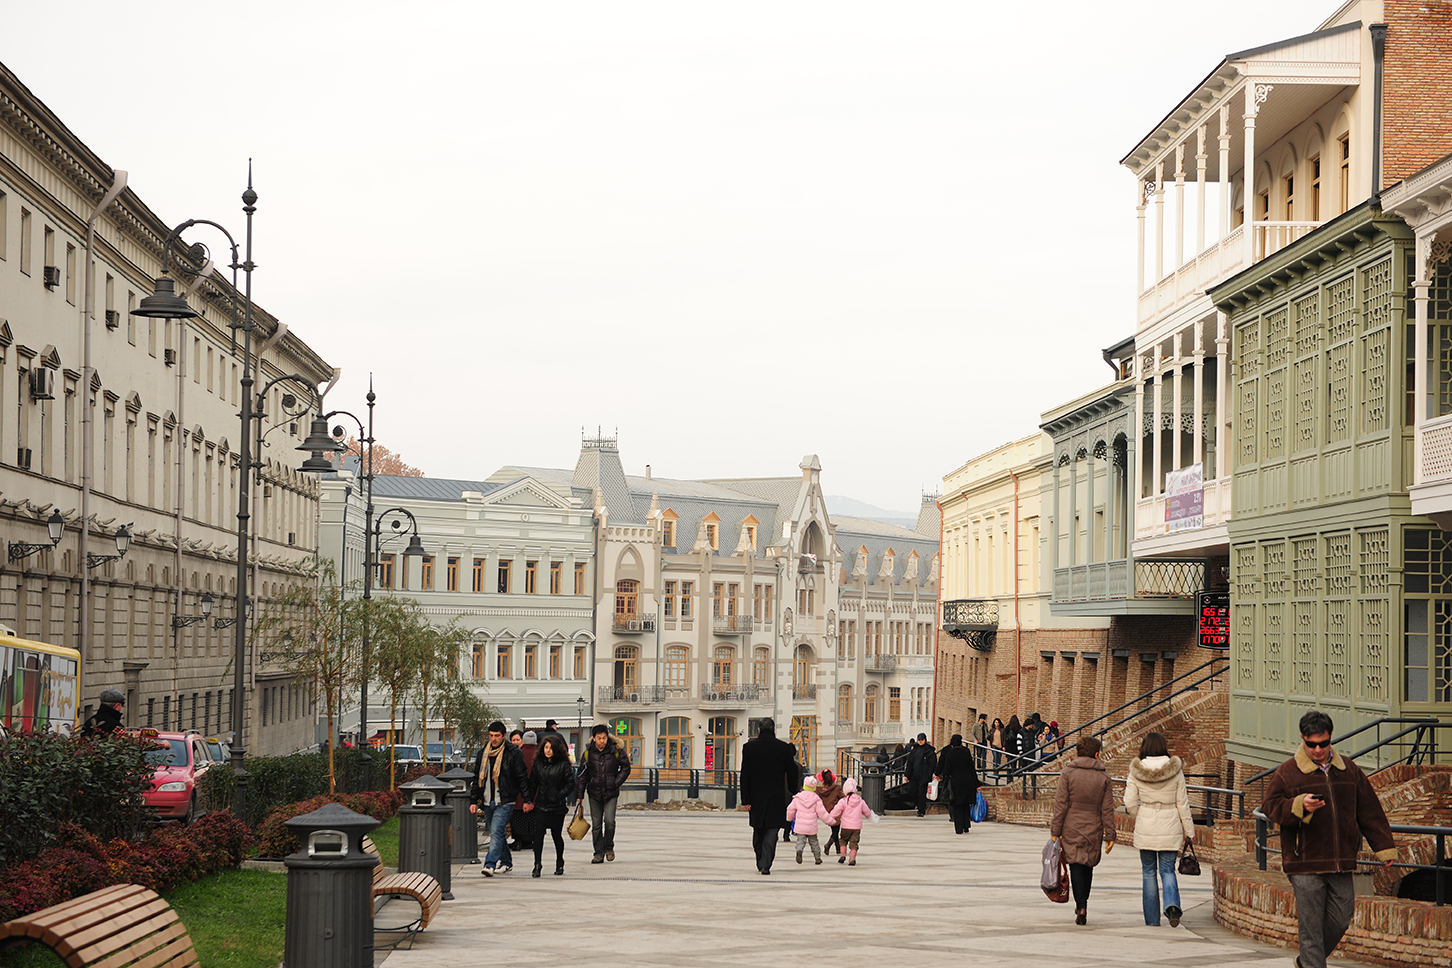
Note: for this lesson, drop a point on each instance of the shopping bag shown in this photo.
(1055, 877)
(1189, 863)
(979, 812)
(933, 789)
(579, 827)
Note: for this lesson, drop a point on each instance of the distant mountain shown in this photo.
(853, 508)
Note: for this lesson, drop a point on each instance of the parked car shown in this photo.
(179, 760)
(403, 756)
(220, 752)
(444, 754)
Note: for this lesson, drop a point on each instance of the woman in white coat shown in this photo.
(1156, 797)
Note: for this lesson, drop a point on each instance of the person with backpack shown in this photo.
(605, 769)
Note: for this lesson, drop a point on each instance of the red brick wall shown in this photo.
(1417, 87)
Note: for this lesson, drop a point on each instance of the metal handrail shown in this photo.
(1031, 792)
(1145, 695)
(1443, 869)
(1419, 725)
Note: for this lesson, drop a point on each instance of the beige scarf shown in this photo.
(490, 764)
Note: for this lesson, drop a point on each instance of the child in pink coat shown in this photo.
(850, 811)
(803, 813)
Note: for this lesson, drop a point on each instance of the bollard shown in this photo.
(466, 824)
(423, 831)
(329, 922)
(872, 786)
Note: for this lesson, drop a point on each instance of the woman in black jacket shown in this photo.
(955, 767)
(1016, 743)
(551, 781)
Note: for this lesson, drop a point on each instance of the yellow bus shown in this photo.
(37, 686)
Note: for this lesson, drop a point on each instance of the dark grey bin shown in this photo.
(873, 782)
(329, 922)
(466, 824)
(425, 822)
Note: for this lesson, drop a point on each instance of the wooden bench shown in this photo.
(413, 884)
(117, 926)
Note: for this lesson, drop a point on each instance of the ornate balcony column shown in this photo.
(1073, 505)
(1179, 205)
(1179, 401)
(1255, 95)
(1136, 432)
(1200, 168)
(1142, 190)
(1223, 407)
(1199, 371)
(1159, 221)
(1089, 509)
(1157, 428)
(1054, 546)
(1225, 199)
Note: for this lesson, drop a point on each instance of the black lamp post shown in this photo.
(55, 526)
(164, 303)
(371, 560)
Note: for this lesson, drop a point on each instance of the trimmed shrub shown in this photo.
(275, 840)
(81, 862)
(276, 781)
(422, 769)
(49, 781)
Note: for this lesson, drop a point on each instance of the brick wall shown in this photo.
(1417, 87)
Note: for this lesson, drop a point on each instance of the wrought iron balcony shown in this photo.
(631, 623)
(733, 624)
(974, 620)
(1151, 586)
(738, 693)
(881, 663)
(804, 690)
(630, 695)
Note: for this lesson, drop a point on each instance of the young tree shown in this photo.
(470, 715)
(439, 650)
(398, 642)
(312, 632)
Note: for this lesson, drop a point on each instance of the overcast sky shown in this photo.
(888, 234)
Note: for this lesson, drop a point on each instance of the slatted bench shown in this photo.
(413, 884)
(118, 926)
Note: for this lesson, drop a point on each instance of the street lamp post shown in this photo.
(371, 560)
(580, 728)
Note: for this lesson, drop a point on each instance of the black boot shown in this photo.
(537, 867)
(560, 866)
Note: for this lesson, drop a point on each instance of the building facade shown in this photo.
(159, 407)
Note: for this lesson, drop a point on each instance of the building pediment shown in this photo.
(527, 492)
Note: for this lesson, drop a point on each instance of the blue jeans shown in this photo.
(495, 818)
(1165, 860)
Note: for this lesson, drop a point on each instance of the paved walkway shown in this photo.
(685, 891)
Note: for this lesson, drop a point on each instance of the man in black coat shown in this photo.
(499, 779)
(770, 777)
(956, 769)
(922, 763)
(106, 720)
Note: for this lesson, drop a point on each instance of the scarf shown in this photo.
(490, 764)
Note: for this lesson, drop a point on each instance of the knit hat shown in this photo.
(810, 783)
(530, 737)
(849, 785)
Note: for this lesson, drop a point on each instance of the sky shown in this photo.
(891, 235)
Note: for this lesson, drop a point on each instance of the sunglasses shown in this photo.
(1312, 744)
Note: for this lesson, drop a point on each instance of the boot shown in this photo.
(799, 857)
(559, 867)
(852, 858)
(840, 858)
(537, 867)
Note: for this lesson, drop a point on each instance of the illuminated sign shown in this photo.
(1214, 620)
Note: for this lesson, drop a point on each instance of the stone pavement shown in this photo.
(684, 891)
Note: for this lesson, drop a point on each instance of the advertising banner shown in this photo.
(1185, 498)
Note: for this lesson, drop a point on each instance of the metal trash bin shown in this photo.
(466, 824)
(873, 782)
(424, 826)
(329, 921)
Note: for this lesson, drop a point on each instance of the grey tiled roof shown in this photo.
(855, 533)
(600, 467)
(930, 519)
(427, 488)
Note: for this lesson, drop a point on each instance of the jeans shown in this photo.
(1165, 861)
(763, 841)
(980, 757)
(1081, 879)
(1324, 905)
(495, 818)
(602, 820)
(997, 757)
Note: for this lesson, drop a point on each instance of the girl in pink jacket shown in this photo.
(803, 813)
(850, 811)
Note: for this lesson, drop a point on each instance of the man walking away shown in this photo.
(980, 742)
(605, 770)
(499, 779)
(921, 765)
(955, 768)
(769, 777)
(107, 717)
(1325, 805)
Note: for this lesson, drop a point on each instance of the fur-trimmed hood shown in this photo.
(1159, 774)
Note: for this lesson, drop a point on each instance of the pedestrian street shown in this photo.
(684, 891)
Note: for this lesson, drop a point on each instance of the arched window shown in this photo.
(673, 745)
(802, 666)
(844, 703)
(677, 665)
(626, 678)
(721, 666)
(627, 596)
(761, 667)
(869, 704)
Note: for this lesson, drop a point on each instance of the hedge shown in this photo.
(81, 862)
(279, 780)
(49, 781)
(275, 840)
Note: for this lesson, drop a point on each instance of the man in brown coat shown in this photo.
(1083, 816)
(1324, 805)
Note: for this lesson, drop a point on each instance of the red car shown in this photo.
(180, 759)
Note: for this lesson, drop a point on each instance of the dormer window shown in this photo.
(750, 527)
(713, 531)
(668, 529)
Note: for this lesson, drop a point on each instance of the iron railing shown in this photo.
(727, 692)
(1152, 578)
(632, 622)
(881, 663)
(804, 690)
(653, 780)
(1440, 865)
(1234, 808)
(981, 613)
(733, 624)
(631, 694)
(1420, 748)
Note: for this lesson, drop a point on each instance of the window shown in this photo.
(25, 241)
(894, 704)
(673, 746)
(1263, 211)
(842, 639)
(686, 589)
(626, 669)
(531, 662)
(556, 659)
(426, 573)
(478, 574)
(713, 535)
(1290, 189)
(668, 600)
(851, 639)
(721, 744)
(385, 571)
(501, 664)
(668, 533)
(627, 597)
(403, 573)
(732, 592)
(1345, 144)
(677, 658)
(47, 250)
(478, 664)
(718, 592)
(751, 535)
(766, 602)
(557, 569)
(504, 577)
(721, 666)
(579, 668)
(627, 730)
(452, 575)
(804, 738)
(530, 567)
(1316, 189)
(756, 603)
(802, 668)
(869, 704)
(580, 578)
(1428, 617)
(761, 667)
(844, 703)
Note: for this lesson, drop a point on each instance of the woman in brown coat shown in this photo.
(829, 788)
(1083, 816)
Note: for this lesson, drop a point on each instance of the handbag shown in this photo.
(579, 827)
(1055, 878)
(1189, 863)
(979, 811)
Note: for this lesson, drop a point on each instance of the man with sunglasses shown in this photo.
(1324, 805)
